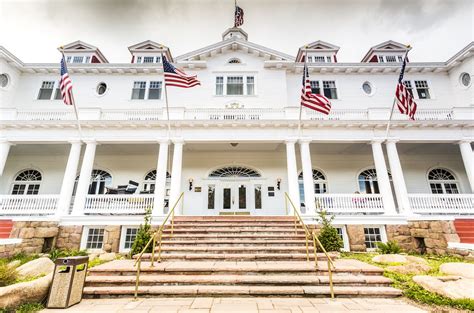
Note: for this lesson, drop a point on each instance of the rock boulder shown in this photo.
(452, 287)
(458, 268)
(27, 292)
(41, 266)
(390, 258)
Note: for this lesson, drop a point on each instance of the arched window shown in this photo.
(99, 180)
(27, 182)
(234, 61)
(234, 171)
(442, 181)
(149, 181)
(368, 182)
(319, 181)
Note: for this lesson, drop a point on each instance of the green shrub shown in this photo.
(143, 235)
(329, 238)
(391, 247)
(62, 253)
(8, 275)
(25, 308)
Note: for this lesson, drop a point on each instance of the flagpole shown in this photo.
(166, 98)
(304, 79)
(79, 128)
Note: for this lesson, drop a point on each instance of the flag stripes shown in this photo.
(311, 100)
(177, 78)
(239, 16)
(65, 84)
(405, 103)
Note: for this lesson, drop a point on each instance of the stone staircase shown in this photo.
(237, 256)
(465, 230)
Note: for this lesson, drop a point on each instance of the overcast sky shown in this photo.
(437, 29)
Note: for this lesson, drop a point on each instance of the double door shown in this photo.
(235, 197)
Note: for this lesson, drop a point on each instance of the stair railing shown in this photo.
(311, 236)
(159, 233)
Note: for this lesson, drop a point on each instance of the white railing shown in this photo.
(350, 203)
(234, 114)
(442, 203)
(343, 115)
(28, 204)
(132, 115)
(427, 115)
(118, 204)
(56, 115)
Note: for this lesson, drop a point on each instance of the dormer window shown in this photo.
(319, 59)
(234, 61)
(148, 59)
(390, 58)
(78, 59)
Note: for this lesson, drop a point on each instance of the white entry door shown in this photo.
(235, 197)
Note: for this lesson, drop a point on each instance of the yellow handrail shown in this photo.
(311, 235)
(159, 231)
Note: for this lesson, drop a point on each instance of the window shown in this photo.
(422, 89)
(328, 59)
(95, 238)
(235, 85)
(367, 87)
(130, 235)
(372, 236)
(27, 182)
(250, 85)
(391, 58)
(57, 93)
(234, 61)
(99, 181)
(148, 59)
(138, 91)
(381, 60)
(139, 59)
(310, 59)
(78, 59)
(4, 80)
(101, 88)
(88, 59)
(400, 58)
(211, 196)
(258, 196)
(68, 59)
(315, 87)
(319, 59)
(234, 171)
(319, 181)
(150, 179)
(409, 87)
(465, 79)
(442, 181)
(329, 89)
(46, 90)
(155, 90)
(368, 182)
(219, 85)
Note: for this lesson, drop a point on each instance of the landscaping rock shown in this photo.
(457, 268)
(410, 268)
(451, 287)
(41, 266)
(14, 264)
(27, 292)
(390, 258)
(415, 259)
(108, 256)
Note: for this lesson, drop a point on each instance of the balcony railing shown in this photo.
(428, 115)
(118, 204)
(28, 204)
(350, 203)
(442, 203)
(234, 114)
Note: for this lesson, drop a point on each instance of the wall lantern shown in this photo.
(190, 184)
(278, 183)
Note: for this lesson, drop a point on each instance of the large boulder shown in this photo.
(27, 292)
(108, 256)
(458, 268)
(410, 268)
(37, 267)
(453, 287)
(389, 258)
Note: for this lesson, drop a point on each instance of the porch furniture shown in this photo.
(123, 189)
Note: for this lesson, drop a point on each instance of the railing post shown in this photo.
(152, 264)
(137, 280)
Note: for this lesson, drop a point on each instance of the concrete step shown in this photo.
(232, 249)
(229, 291)
(249, 225)
(229, 236)
(230, 218)
(234, 243)
(226, 280)
(259, 230)
(233, 256)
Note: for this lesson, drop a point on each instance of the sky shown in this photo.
(437, 29)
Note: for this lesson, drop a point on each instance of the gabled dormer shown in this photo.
(235, 32)
(386, 52)
(318, 52)
(149, 52)
(81, 52)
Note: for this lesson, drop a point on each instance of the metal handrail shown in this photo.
(159, 231)
(311, 235)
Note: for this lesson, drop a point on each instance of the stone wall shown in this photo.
(356, 237)
(111, 238)
(69, 237)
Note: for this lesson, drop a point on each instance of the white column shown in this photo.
(293, 190)
(69, 178)
(4, 149)
(382, 177)
(307, 176)
(160, 183)
(467, 158)
(84, 178)
(176, 169)
(397, 176)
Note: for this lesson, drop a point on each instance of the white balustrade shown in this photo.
(16, 205)
(343, 115)
(350, 203)
(234, 114)
(56, 115)
(118, 204)
(427, 115)
(442, 203)
(132, 115)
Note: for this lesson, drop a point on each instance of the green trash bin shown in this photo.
(68, 282)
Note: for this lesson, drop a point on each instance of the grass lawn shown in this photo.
(413, 291)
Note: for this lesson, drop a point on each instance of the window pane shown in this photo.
(77, 59)
(148, 59)
(372, 236)
(329, 88)
(219, 85)
(315, 87)
(155, 90)
(138, 91)
(57, 94)
(250, 86)
(46, 90)
(211, 196)
(258, 196)
(422, 89)
(235, 85)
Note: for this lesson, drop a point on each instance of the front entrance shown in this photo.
(234, 197)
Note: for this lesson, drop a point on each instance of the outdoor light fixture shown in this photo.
(234, 144)
(278, 183)
(190, 184)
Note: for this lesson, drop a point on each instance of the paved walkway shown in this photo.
(241, 305)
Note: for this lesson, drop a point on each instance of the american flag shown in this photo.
(311, 100)
(406, 104)
(178, 78)
(239, 16)
(65, 84)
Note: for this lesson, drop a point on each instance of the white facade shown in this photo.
(254, 131)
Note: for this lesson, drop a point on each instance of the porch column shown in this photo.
(293, 190)
(467, 158)
(307, 176)
(69, 178)
(4, 149)
(84, 178)
(382, 177)
(176, 169)
(160, 183)
(397, 176)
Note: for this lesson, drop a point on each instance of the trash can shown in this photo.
(68, 282)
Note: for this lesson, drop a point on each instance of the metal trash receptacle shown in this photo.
(68, 282)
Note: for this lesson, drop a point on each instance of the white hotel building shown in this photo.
(233, 146)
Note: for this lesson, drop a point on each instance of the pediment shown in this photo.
(321, 45)
(79, 45)
(390, 45)
(147, 45)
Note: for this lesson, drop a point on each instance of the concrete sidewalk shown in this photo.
(242, 305)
